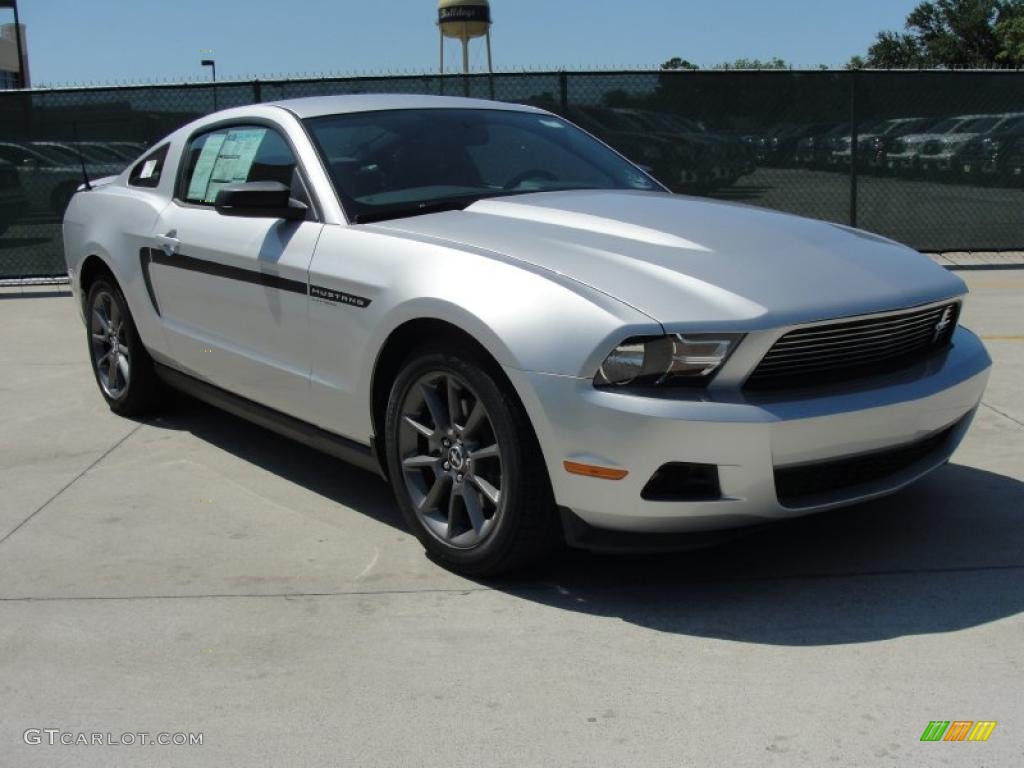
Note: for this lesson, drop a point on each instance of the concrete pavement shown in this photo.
(193, 573)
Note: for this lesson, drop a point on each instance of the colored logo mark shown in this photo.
(958, 730)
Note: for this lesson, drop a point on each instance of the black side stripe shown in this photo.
(145, 258)
(192, 264)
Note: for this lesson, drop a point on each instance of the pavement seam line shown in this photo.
(1018, 422)
(71, 482)
(514, 590)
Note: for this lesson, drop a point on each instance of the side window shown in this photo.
(147, 171)
(236, 154)
(14, 154)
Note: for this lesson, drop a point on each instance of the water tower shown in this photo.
(464, 20)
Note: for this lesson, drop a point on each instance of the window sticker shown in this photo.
(148, 168)
(200, 180)
(234, 161)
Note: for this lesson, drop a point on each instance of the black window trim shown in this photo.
(160, 152)
(180, 182)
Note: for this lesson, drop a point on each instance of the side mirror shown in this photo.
(259, 199)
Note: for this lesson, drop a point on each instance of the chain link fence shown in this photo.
(934, 159)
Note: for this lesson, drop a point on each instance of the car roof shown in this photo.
(316, 106)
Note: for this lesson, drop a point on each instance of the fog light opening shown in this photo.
(683, 481)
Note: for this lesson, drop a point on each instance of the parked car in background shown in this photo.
(125, 150)
(50, 173)
(729, 159)
(871, 140)
(689, 165)
(102, 152)
(940, 157)
(873, 149)
(987, 159)
(75, 152)
(528, 336)
(12, 196)
(814, 149)
(902, 156)
(1013, 150)
(840, 153)
(669, 163)
(780, 147)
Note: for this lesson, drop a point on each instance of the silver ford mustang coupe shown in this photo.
(523, 331)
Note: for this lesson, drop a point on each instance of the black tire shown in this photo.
(525, 527)
(141, 392)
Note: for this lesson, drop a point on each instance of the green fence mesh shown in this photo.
(934, 159)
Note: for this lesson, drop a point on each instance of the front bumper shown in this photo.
(941, 163)
(748, 438)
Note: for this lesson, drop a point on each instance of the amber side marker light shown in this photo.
(592, 470)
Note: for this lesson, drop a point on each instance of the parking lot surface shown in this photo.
(192, 573)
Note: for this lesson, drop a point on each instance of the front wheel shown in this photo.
(465, 465)
(123, 367)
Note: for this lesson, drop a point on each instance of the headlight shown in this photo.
(682, 359)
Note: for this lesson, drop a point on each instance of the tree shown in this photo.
(1010, 36)
(773, 63)
(677, 63)
(954, 34)
(895, 50)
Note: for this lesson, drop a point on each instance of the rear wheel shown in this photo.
(465, 467)
(123, 367)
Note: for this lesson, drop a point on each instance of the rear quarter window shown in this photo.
(147, 172)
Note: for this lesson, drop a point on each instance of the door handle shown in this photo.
(169, 243)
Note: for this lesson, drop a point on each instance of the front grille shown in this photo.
(932, 147)
(852, 349)
(806, 484)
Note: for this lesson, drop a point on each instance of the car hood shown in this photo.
(694, 262)
(951, 137)
(920, 138)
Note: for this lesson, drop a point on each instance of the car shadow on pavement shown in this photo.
(944, 555)
(315, 471)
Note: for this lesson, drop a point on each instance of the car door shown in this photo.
(232, 291)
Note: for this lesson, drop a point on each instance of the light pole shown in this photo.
(213, 68)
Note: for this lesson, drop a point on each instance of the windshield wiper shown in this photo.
(416, 209)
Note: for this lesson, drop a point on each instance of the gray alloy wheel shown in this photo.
(109, 345)
(451, 461)
(123, 368)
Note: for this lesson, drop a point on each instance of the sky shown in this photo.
(111, 41)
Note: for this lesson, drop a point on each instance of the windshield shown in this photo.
(980, 125)
(1013, 124)
(103, 154)
(948, 124)
(57, 152)
(405, 162)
